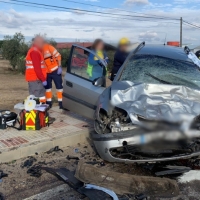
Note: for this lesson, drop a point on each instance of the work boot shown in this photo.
(49, 103)
(60, 105)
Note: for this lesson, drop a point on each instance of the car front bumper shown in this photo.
(105, 143)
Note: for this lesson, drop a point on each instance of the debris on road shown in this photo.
(85, 126)
(91, 191)
(126, 183)
(95, 187)
(66, 175)
(76, 150)
(1, 196)
(35, 171)
(2, 174)
(55, 149)
(29, 162)
(102, 164)
(172, 170)
(141, 197)
(189, 176)
(72, 158)
(94, 194)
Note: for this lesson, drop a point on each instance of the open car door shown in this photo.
(80, 91)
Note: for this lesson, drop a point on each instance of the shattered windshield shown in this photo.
(154, 69)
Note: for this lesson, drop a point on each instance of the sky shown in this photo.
(123, 20)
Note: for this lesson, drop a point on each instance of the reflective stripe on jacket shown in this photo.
(51, 57)
(30, 71)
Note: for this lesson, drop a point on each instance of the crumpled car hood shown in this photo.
(176, 104)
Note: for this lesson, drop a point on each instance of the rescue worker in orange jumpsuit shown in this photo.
(36, 72)
(52, 60)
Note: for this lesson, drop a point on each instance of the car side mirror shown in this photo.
(99, 82)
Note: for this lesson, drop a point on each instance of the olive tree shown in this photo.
(14, 48)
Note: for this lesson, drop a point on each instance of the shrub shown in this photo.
(65, 53)
(14, 50)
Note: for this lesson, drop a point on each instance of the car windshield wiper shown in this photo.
(160, 80)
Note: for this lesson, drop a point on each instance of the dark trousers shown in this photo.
(57, 79)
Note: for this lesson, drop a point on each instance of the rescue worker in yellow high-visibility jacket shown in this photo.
(52, 60)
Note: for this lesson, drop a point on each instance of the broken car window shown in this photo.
(159, 70)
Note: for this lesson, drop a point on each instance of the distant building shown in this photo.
(68, 45)
(173, 43)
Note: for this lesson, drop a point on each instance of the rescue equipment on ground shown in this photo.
(34, 119)
(30, 103)
(7, 119)
(32, 114)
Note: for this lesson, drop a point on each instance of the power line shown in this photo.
(190, 25)
(88, 4)
(63, 9)
(195, 26)
(88, 11)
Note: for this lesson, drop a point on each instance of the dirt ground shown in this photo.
(19, 185)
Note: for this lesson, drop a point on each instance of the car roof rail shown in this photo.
(141, 45)
(187, 49)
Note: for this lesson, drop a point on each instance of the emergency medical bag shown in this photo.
(33, 120)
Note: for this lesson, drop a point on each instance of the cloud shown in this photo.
(136, 2)
(149, 36)
(68, 26)
(13, 19)
(186, 1)
(189, 39)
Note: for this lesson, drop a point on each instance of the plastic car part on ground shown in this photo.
(172, 170)
(2, 174)
(110, 192)
(29, 162)
(35, 171)
(126, 183)
(141, 197)
(72, 157)
(91, 191)
(55, 149)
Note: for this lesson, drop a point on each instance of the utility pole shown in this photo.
(181, 32)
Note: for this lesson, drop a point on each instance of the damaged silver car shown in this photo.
(151, 111)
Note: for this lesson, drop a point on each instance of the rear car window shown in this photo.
(155, 70)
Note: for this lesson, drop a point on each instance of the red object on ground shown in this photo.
(173, 43)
